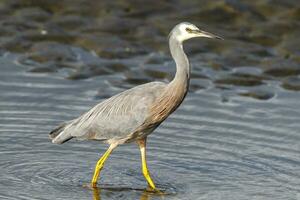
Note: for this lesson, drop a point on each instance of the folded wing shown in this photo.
(118, 116)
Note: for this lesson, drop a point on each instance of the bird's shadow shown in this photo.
(144, 194)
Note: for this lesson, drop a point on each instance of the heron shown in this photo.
(132, 115)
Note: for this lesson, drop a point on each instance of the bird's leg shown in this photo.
(142, 145)
(100, 164)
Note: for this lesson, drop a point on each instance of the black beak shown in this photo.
(206, 34)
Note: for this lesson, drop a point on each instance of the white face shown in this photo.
(185, 31)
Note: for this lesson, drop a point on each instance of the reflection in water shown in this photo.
(146, 194)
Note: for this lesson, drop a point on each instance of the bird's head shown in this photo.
(185, 31)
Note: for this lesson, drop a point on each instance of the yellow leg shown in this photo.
(96, 194)
(142, 145)
(100, 164)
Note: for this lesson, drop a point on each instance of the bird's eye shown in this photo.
(188, 30)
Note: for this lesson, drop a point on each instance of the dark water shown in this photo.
(236, 136)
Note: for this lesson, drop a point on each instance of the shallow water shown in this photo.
(210, 148)
(236, 136)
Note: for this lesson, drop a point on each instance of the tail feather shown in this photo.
(59, 135)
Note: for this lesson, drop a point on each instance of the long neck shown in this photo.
(177, 89)
(182, 75)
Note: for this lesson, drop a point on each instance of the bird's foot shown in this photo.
(154, 190)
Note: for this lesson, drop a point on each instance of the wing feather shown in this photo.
(118, 116)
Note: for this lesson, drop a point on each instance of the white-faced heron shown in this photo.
(135, 113)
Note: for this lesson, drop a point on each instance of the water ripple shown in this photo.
(207, 145)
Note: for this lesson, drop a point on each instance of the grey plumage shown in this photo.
(53, 135)
(114, 118)
(136, 112)
(56, 131)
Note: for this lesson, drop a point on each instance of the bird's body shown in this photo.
(135, 113)
(116, 119)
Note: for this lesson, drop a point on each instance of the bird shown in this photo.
(133, 114)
